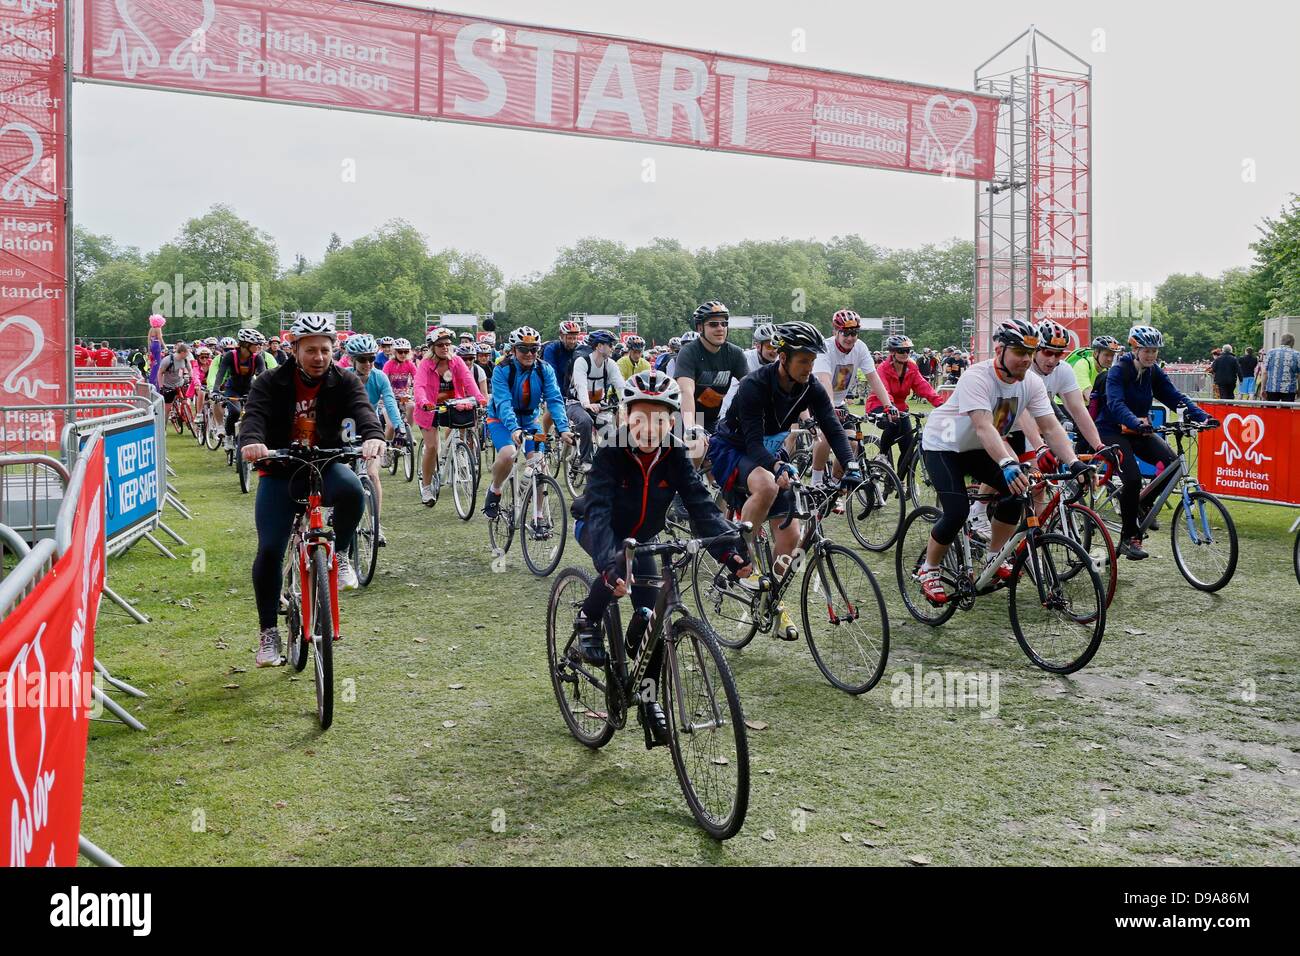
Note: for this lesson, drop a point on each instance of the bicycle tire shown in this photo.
(907, 558)
(408, 462)
(216, 430)
(295, 642)
(501, 529)
(824, 576)
(245, 472)
(589, 725)
(1181, 555)
(462, 482)
(323, 639)
(558, 524)
(1022, 577)
(703, 643)
(739, 630)
(1086, 527)
(365, 543)
(881, 497)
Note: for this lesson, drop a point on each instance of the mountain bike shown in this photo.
(181, 416)
(707, 737)
(1202, 532)
(1056, 598)
(310, 596)
(532, 504)
(575, 464)
(841, 607)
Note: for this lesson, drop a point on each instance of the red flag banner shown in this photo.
(392, 59)
(47, 652)
(1252, 455)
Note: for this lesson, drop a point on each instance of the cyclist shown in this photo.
(668, 356)
(1090, 366)
(441, 378)
(401, 375)
(385, 353)
(306, 400)
(837, 369)
(706, 368)
(966, 435)
(763, 353)
(485, 359)
(954, 364)
(235, 375)
(363, 350)
(1060, 380)
(174, 372)
(745, 450)
(901, 378)
(1125, 420)
(594, 377)
(634, 362)
(630, 487)
(559, 355)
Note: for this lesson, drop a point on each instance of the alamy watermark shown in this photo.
(207, 300)
(975, 689)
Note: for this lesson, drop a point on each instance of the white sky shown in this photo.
(1184, 92)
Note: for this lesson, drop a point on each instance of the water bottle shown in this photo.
(636, 629)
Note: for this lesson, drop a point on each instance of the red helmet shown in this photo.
(570, 327)
(846, 319)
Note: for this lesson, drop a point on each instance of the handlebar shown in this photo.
(306, 454)
(744, 531)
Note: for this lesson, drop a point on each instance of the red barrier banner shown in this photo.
(47, 652)
(1252, 455)
(378, 57)
(93, 390)
(33, 335)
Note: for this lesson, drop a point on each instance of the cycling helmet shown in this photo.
(251, 337)
(212, 341)
(794, 337)
(897, 342)
(484, 348)
(652, 386)
(362, 345)
(764, 333)
(228, 343)
(466, 350)
(387, 340)
(689, 337)
(1053, 336)
(675, 342)
(600, 337)
(570, 327)
(846, 319)
(306, 325)
(202, 350)
(1145, 337)
(1017, 332)
(1106, 343)
(635, 343)
(713, 309)
(525, 335)
(467, 335)
(437, 335)
(402, 345)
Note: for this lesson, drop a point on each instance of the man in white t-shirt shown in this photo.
(594, 378)
(837, 368)
(966, 436)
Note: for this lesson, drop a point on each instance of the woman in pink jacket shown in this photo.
(440, 379)
(902, 379)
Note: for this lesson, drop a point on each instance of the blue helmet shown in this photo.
(1145, 337)
(600, 337)
(361, 344)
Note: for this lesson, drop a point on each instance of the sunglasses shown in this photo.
(363, 359)
(1019, 352)
(403, 351)
(716, 325)
(902, 351)
(849, 333)
(528, 348)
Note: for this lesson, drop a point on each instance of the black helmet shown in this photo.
(897, 342)
(710, 310)
(799, 337)
(1017, 332)
(1106, 343)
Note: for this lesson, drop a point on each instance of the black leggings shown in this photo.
(948, 471)
(898, 433)
(644, 567)
(274, 512)
(1151, 449)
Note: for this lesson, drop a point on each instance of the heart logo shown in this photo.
(948, 120)
(1243, 445)
(18, 186)
(18, 384)
(195, 44)
(131, 57)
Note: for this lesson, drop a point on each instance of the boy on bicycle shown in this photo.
(632, 482)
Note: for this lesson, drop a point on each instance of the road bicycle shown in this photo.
(1202, 532)
(309, 599)
(694, 685)
(1066, 514)
(455, 465)
(575, 464)
(877, 506)
(841, 607)
(1056, 598)
(532, 504)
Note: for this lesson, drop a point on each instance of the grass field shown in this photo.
(1177, 744)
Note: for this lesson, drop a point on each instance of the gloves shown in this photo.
(783, 468)
(1211, 422)
(1010, 469)
(1046, 461)
(852, 476)
(1078, 468)
(1146, 429)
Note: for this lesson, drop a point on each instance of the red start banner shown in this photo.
(391, 59)
(33, 337)
(47, 653)
(1252, 455)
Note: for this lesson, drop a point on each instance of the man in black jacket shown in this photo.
(311, 401)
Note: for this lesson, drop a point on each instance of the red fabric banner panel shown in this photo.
(1253, 454)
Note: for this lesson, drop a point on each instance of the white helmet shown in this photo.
(525, 335)
(402, 345)
(689, 337)
(653, 386)
(765, 332)
(228, 343)
(306, 325)
(251, 337)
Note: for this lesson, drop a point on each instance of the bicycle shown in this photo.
(535, 492)
(215, 415)
(575, 464)
(1201, 524)
(401, 453)
(1072, 603)
(1066, 514)
(364, 553)
(310, 597)
(847, 645)
(243, 468)
(874, 518)
(455, 465)
(181, 415)
(707, 737)
(911, 463)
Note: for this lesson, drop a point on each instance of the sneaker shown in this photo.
(492, 504)
(1131, 548)
(785, 627)
(270, 652)
(931, 582)
(427, 497)
(654, 722)
(347, 574)
(981, 526)
(1003, 572)
(591, 643)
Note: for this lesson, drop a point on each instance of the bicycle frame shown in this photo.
(316, 536)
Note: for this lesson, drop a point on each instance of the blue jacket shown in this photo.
(560, 360)
(379, 389)
(507, 403)
(1129, 392)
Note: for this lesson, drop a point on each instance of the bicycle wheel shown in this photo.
(462, 481)
(365, 545)
(1105, 501)
(245, 470)
(322, 638)
(707, 728)
(876, 507)
(916, 481)
(730, 609)
(579, 687)
(295, 639)
(1090, 531)
(407, 454)
(575, 479)
(912, 544)
(501, 529)
(1205, 541)
(545, 526)
(177, 417)
(216, 429)
(850, 641)
(394, 454)
(1059, 628)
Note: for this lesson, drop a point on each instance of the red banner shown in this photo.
(392, 59)
(102, 390)
(33, 337)
(1252, 455)
(47, 652)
